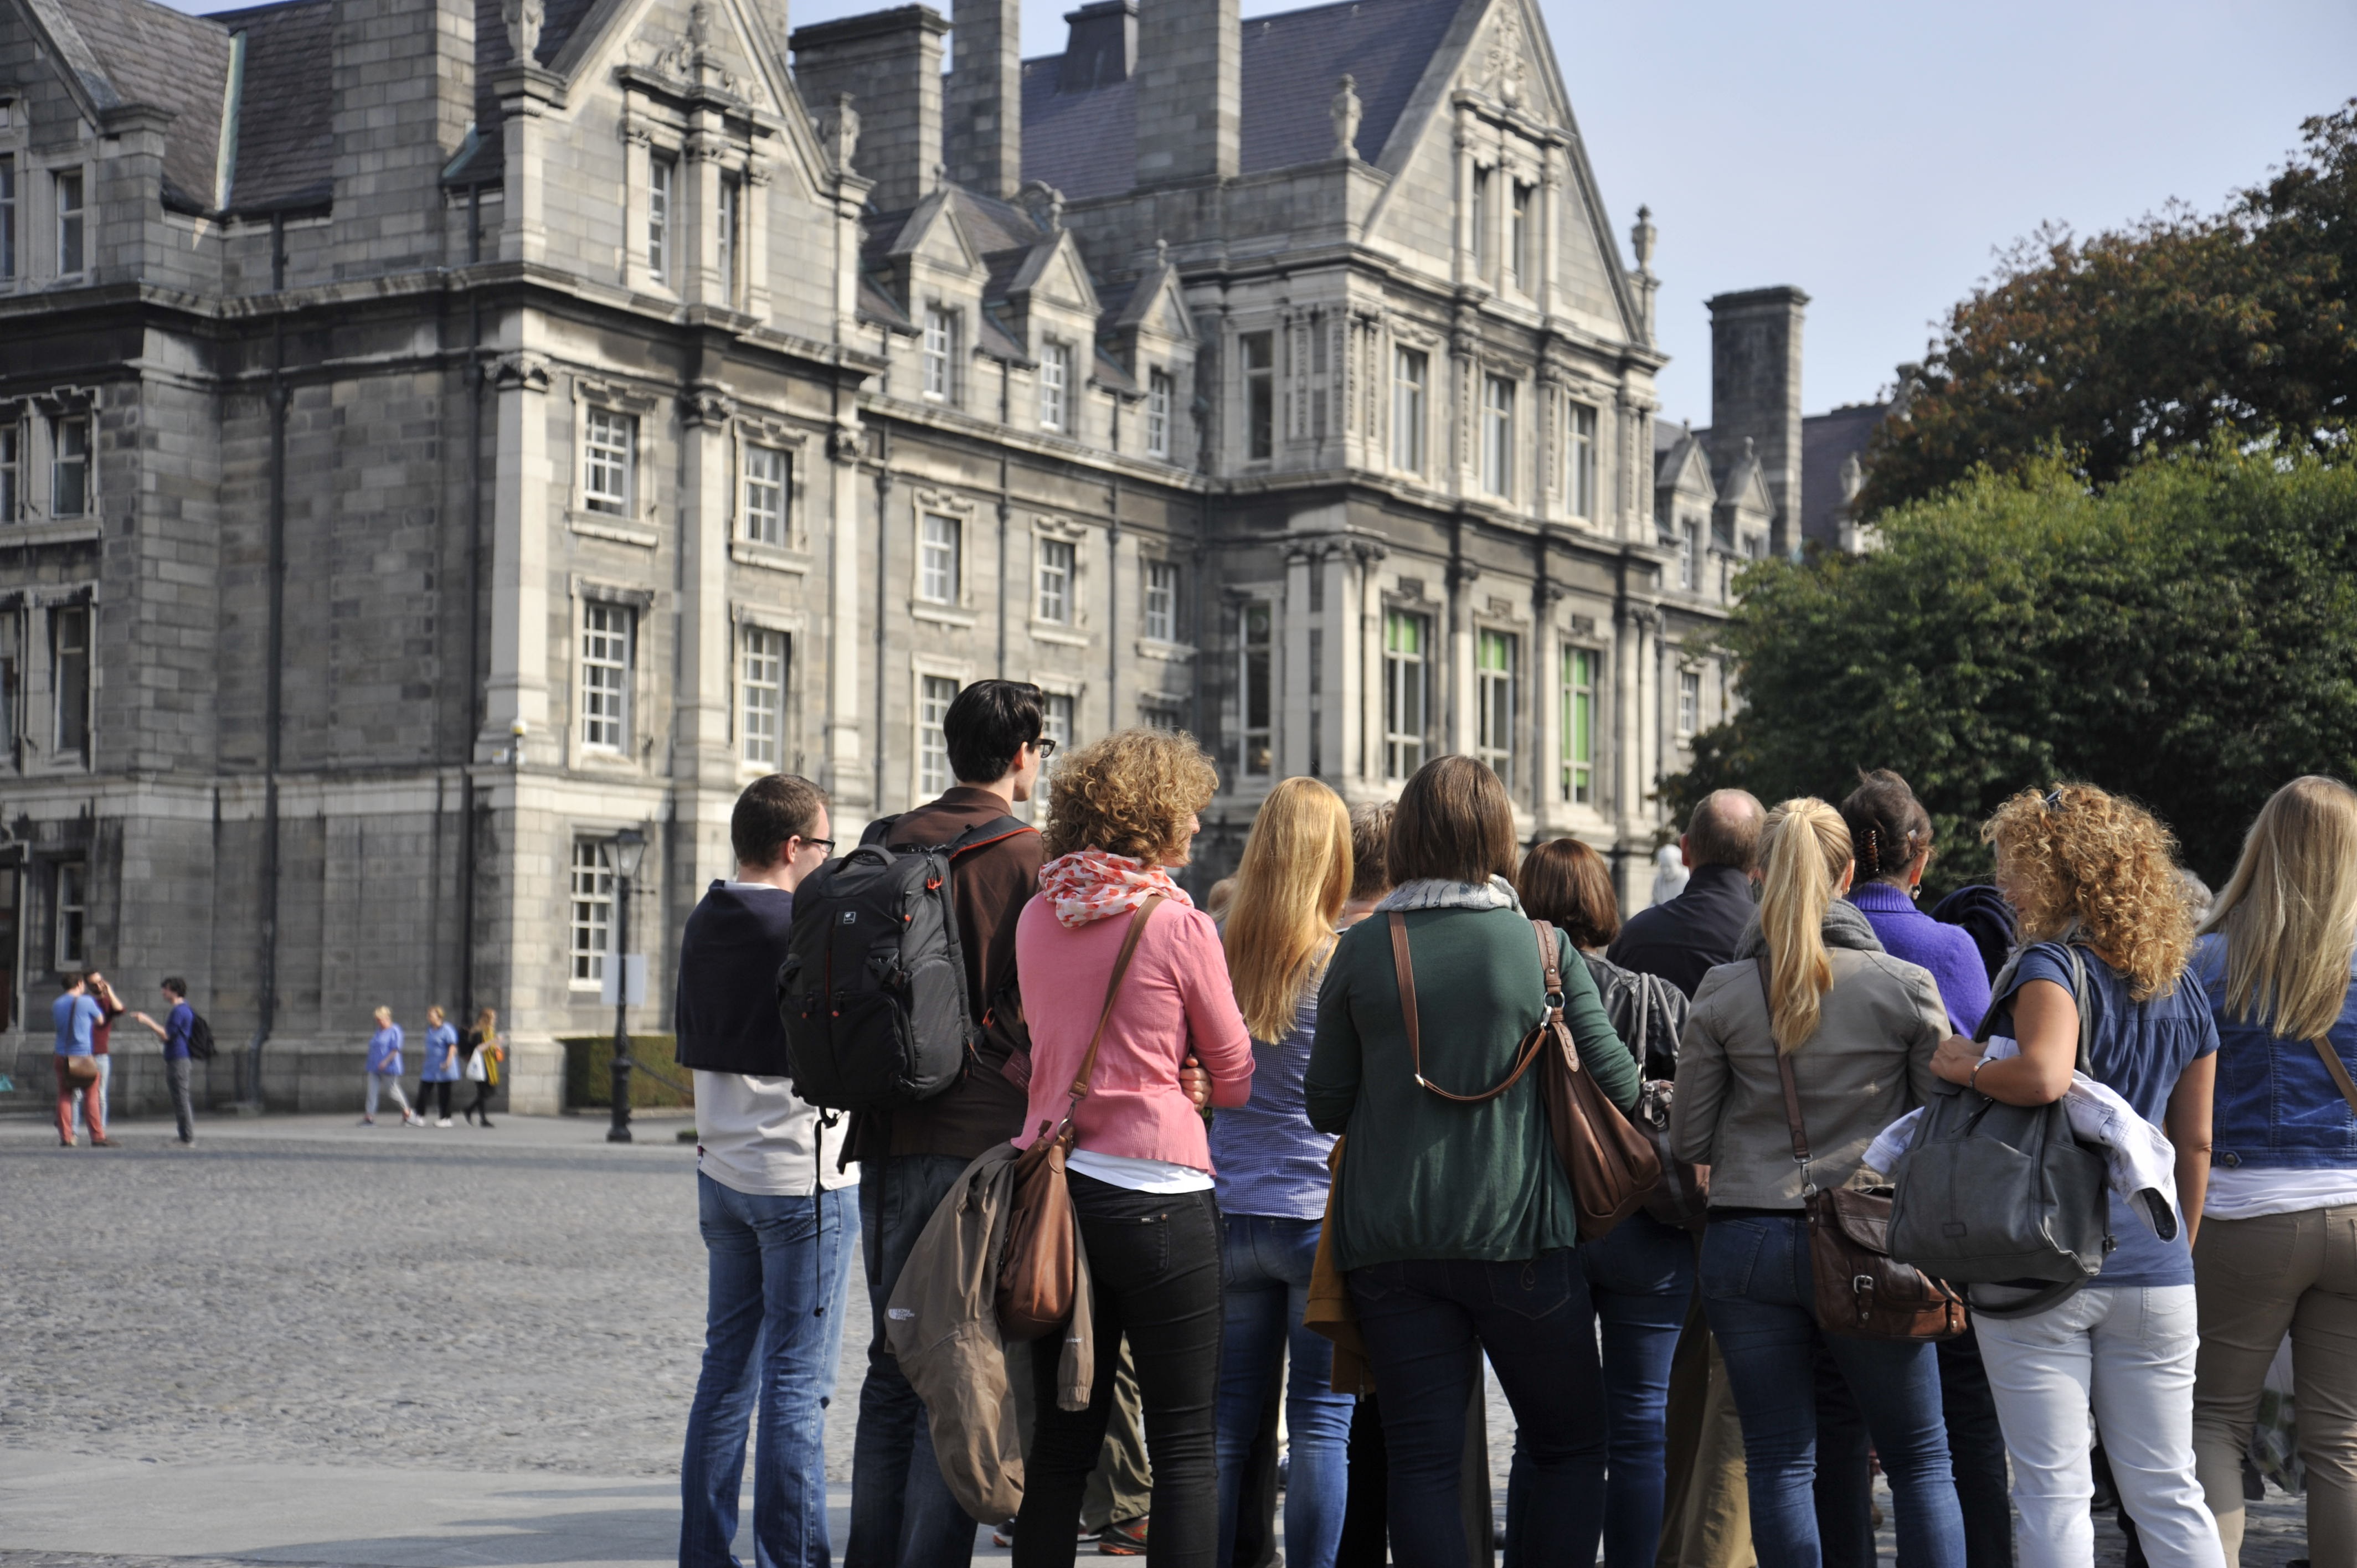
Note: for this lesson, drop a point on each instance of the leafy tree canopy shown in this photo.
(2164, 334)
(2187, 636)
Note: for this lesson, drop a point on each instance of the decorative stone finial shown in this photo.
(1044, 202)
(524, 18)
(1641, 237)
(1347, 111)
(1161, 253)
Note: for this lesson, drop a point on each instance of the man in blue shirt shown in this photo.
(75, 1014)
(174, 1032)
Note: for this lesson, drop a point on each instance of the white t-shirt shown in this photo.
(2245, 1192)
(755, 1135)
(1139, 1175)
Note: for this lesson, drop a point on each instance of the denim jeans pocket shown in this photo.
(1730, 1252)
(1377, 1281)
(1534, 1287)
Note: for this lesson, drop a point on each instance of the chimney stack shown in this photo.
(1755, 392)
(1189, 90)
(890, 63)
(985, 110)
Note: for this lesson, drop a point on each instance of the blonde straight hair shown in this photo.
(2290, 912)
(1808, 849)
(1290, 887)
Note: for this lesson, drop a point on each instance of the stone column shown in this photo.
(1366, 668)
(1293, 665)
(637, 178)
(516, 687)
(1461, 220)
(1457, 672)
(702, 172)
(847, 780)
(526, 94)
(1551, 226)
(706, 633)
(753, 212)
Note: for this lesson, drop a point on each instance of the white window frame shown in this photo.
(1256, 677)
(72, 221)
(65, 455)
(728, 224)
(71, 707)
(940, 557)
(70, 915)
(1690, 556)
(1060, 713)
(765, 663)
(1410, 378)
(768, 491)
(1576, 760)
(1056, 580)
(1494, 699)
(609, 460)
(1161, 601)
(1498, 435)
(662, 194)
(1408, 683)
(606, 669)
(589, 912)
(1056, 387)
(1478, 203)
(1518, 233)
(1689, 702)
(935, 693)
(1259, 401)
(1157, 415)
(938, 355)
(1579, 447)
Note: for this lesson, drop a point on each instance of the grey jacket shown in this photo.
(1868, 1063)
(942, 1323)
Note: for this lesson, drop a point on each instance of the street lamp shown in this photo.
(630, 848)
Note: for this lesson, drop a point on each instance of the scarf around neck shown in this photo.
(1090, 884)
(1441, 892)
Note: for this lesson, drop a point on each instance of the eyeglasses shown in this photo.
(1045, 747)
(826, 844)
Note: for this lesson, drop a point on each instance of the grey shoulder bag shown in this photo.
(1998, 1194)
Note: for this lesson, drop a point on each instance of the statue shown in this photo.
(1347, 111)
(1044, 202)
(524, 18)
(838, 127)
(1640, 239)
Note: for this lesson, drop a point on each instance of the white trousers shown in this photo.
(2127, 1354)
(389, 1083)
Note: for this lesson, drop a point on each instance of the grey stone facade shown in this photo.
(507, 426)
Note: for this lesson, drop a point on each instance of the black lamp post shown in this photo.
(630, 848)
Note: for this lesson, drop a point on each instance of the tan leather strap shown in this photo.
(1792, 1089)
(1112, 993)
(1405, 970)
(2339, 1071)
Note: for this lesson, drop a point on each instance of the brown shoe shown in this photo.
(102, 1143)
(1123, 1537)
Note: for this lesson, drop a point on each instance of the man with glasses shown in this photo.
(902, 1513)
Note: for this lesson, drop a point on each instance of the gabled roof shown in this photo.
(286, 110)
(1682, 462)
(135, 51)
(1085, 144)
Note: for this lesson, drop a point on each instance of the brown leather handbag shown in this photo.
(1862, 1292)
(1037, 1274)
(1611, 1167)
(1682, 1197)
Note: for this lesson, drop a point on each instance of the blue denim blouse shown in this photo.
(2276, 1104)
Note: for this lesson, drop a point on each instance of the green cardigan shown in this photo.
(1422, 1178)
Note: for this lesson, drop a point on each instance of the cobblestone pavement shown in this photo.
(304, 1292)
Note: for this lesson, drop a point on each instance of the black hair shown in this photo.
(988, 724)
(1888, 825)
(772, 810)
(176, 986)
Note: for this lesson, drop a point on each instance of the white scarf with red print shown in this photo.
(1090, 884)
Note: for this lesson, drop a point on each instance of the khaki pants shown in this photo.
(1122, 1488)
(2255, 1280)
(1706, 1505)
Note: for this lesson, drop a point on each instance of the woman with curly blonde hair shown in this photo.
(2095, 881)
(1121, 812)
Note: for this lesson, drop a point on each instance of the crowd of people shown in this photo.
(1321, 1081)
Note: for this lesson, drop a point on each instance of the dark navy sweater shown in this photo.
(726, 1008)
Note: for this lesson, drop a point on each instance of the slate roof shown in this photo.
(155, 55)
(285, 123)
(1085, 144)
(1826, 440)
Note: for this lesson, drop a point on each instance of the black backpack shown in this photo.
(200, 1037)
(872, 993)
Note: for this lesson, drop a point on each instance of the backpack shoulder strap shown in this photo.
(983, 834)
(876, 830)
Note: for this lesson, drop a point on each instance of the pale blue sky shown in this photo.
(1879, 155)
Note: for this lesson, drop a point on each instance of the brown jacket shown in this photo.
(989, 885)
(942, 1323)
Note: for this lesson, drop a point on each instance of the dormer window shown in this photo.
(1157, 415)
(1055, 386)
(72, 223)
(1579, 459)
(940, 353)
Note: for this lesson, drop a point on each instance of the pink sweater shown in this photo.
(1176, 999)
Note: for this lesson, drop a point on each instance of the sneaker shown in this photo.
(443, 1122)
(368, 1120)
(1004, 1535)
(1123, 1537)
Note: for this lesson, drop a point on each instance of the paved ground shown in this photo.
(309, 1342)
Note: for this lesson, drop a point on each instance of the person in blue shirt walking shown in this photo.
(76, 1014)
(439, 1070)
(174, 1031)
(384, 1072)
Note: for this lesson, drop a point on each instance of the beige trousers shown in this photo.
(2255, 1280)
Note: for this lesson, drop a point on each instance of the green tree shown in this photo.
(2164, 334)
(2187, 636)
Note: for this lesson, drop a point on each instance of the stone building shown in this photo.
(435, 437)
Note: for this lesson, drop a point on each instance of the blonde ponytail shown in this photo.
(1807, 850)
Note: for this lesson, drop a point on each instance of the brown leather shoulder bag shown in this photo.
(1861, 1291)
(1037, 1274)
(1611, 1167)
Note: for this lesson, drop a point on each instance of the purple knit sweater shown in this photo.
(1906, 933)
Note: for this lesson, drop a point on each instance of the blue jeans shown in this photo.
(1640, 1277)
(903, 1514)
(1757, 1287)
(780, 1272)
(1426, 1324)
(1264, 1263)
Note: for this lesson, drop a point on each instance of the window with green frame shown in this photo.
(1579, 696)
(1493, 674)
(1404, 635)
